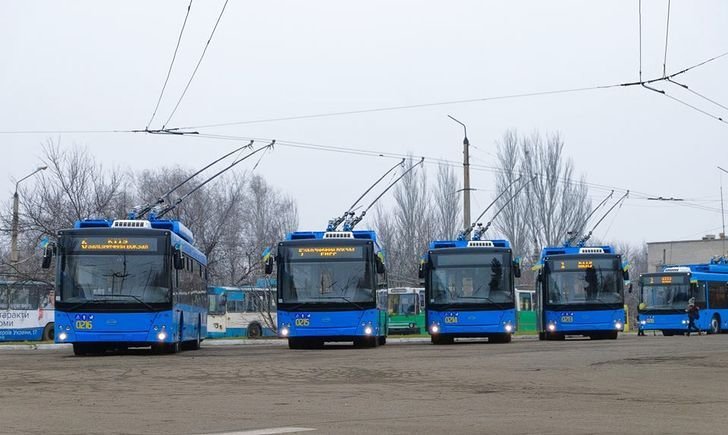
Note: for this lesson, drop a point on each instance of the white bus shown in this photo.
(26, 311)
(241, 312)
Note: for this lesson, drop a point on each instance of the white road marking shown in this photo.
(269, 431)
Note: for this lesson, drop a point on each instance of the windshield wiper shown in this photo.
(346, 299)
(151, 308)
(484, 298)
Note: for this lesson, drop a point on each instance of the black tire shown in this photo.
(554, 336)
(439, 339)
(382, 340)
(255, 331)
(80, 349)
(88, 349)
(542, 336)
(362, 342)
(668, 333)
(296, 343)
(715, 325)
(499, 338)
(612, 335)
(49, 332)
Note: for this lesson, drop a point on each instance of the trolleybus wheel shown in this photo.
(542, 336)
(255, 331)
(382, 340)
(80, 349)
(296, 343)
(668, 333)
(49, 332)
(439, 339)
(499, 338)
(715, 325)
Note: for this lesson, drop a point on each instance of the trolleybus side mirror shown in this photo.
(517, 268)
(48, 255)
(625, 275)
(269, 265)
(179, 260)
(630, 288)
(380, 265)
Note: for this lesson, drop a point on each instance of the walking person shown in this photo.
(693, 315)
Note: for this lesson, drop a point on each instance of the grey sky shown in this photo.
(84, 65)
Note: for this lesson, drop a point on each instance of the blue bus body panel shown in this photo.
(122, 327)
(331, 323)
(679, 321)
(21, 334)
(463, 323)
(584, 321)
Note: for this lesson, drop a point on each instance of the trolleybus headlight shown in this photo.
(434, 329)
(161, 336)
(684, 322)
(509, 327)
(284, 332)
(368, 330)
(618, 325)
(642, 322)
(552, 327)
(62, 336)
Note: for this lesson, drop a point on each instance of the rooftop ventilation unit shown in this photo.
(480, 244)
(591, 251)
(123, 223)
(338, 235)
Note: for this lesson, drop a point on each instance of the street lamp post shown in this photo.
(14, 229)
(466, 174)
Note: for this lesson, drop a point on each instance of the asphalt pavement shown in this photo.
(631, 385)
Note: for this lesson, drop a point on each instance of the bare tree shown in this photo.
(446, 203)
(512, 223)
(74, 187)
(407, 229)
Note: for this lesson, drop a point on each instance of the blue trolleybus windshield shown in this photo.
(584, 281)
(326, 274)
(471, 278)
(118, 270)
(665, 292)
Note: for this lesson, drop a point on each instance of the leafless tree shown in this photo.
(407, 228)
(446, 203)
(74, 187)
(512, 223)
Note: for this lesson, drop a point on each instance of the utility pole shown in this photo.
(16, 218)
(466, 174)
(722, 210)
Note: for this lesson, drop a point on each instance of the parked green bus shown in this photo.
(406, 310)
(526, 314)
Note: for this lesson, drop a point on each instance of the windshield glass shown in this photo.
(478, 278)
(119, 278)
(402, 304)
(665, 292)
(590, 281)
(326, 275)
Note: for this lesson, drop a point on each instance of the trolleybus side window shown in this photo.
(718, 294)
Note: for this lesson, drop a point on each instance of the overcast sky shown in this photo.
(89, 65)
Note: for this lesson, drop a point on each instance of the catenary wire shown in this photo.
(202, 56)
(169, 71)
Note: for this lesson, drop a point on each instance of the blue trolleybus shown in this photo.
(129, 283)
(328, 289)
(580, 292)
(664, 298)
(469, 290)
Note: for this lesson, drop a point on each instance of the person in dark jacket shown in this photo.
(693, 315)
